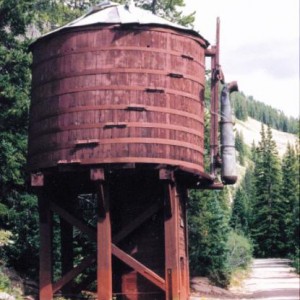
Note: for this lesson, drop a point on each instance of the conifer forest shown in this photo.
(257, 217)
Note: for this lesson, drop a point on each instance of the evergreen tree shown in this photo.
(242, 216)
(290, 199)
(240, 106)
(18, 207)
(240, 147)
(166, 9)
(267, 227)
(239, 216)
(208, 234)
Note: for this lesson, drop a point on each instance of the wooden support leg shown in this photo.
(172, 262)
(104, 259)
(66, 233)
(46, 290)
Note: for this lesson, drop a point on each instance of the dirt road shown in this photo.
(270, 279)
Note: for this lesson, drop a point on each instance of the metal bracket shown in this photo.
(97, 174)
(150, 90)
(37, 179)
(136, 107)
(187, 57)
(115, 125)
(175, 75)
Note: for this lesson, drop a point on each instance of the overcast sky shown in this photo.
(259, 46)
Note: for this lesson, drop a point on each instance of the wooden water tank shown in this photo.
(115, 93)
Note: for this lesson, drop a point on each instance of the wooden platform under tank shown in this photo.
(138, 241)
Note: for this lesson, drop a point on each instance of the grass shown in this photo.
(238, 277)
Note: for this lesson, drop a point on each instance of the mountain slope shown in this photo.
(251, 132)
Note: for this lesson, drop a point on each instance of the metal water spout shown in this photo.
(228, 170)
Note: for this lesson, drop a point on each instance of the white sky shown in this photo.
(259, 46)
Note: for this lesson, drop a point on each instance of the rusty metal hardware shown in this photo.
(153, 90)
(115, 125)
(175, 75)
(97, 174)
(89, 142)
(136, 107)
(187, 57)
(37, 179)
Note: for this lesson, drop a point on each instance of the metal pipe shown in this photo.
(216, 76)
(228, 170)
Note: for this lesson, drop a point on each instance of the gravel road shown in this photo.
(270, 279)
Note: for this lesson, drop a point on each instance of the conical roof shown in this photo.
(108, 12)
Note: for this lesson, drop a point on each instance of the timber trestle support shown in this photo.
(138, 240)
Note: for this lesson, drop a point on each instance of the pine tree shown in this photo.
(239, 216)
(290, 191)
(166, 9)
(240, 147)
(208, 234)
(267, 227)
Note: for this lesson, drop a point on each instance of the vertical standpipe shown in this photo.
(228, 171)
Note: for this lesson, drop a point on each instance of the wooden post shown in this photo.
(172, 262)
(104, 253)
(66, 233)
(46, 289)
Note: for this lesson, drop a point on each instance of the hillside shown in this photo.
(251, 132)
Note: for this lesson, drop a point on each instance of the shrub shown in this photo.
(296, 261)
(240, 251)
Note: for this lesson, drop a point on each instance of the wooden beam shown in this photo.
(67, 197)
(166, 174)
(172, 264)
(86, 262)
(104, 259)
(45, 273)
(90, 232)
(138, 267)
(136, 223)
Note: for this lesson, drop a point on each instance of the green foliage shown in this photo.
(52, 14)
(296, 260)
(166, 9)
(239, 251)
(244, 107)
(240, 211)
(267, 227)
(290, 191)
(240, 146)
(242, 215)
(17, 206)
(23, 221)
(14, 15)
(208, 232)
(239, 104)
(7, 285)
(4, 282)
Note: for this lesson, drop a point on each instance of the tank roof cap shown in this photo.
(108, 12)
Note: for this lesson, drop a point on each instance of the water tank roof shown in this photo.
(108, 12)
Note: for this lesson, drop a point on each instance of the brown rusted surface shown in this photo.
(104, 246)
(176, 252)
(214, 109)
(115, 95)
(45, 255)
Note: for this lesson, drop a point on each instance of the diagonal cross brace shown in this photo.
(138, 267)
(85, 263)
(120, 254)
